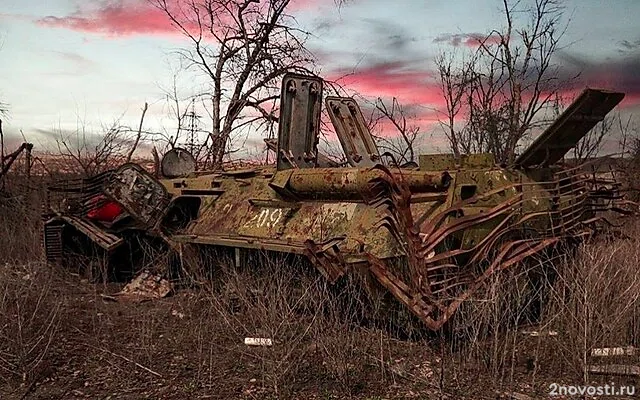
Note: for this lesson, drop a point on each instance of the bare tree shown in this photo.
(590, 145)
(243, 47)
(453, 85)
(508, 83)
(629, 162)
(403, 145)
(88, 153)
(629, 136)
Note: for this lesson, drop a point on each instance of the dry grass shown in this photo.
(30, 318)
(19, 227)
(596, 301)
(588, 298)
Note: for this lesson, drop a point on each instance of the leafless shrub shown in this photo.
(315, 329)
(30, 317)
(262, 302)
(19, 231)
(595, 301)
(485, 336)
(591, 143)
(629, 165)
(20, 207)
(87, 153)
(572, 299)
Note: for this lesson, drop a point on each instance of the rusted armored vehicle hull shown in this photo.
(430, 235)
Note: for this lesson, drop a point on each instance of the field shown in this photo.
(60, 338)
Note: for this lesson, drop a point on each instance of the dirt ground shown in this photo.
(64, 340)
(171, 349)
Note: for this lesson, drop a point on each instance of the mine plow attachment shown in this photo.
(327, 258)
(441, 273)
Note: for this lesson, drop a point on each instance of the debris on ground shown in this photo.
(250, 341)
(518, 396)
(540, 333)
(144, 287)
(615, 369)
(614, 351)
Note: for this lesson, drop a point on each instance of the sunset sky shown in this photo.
(65, 60)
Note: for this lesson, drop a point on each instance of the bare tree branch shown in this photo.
(402, 146)
(137, 139)
(243, 47)
(88, 153)
(497, 95)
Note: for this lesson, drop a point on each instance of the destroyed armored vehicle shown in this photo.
(430, 235)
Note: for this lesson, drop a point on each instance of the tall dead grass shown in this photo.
(595, 301)
(30, 319)
(541, 320)
(20, 227)
(315, 329)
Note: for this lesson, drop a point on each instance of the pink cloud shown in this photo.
(613, 77)
(393, 79)
(136, 17)
(417, 87)
(616, 83)
(116, 18)
(468, 39)
(426, 123)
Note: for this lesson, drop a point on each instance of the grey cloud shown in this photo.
(627, 46)
(389, 36)
(372, 41)
(615, 74)
(74, 58)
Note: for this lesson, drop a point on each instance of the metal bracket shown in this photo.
(299, 123)
(352, 131)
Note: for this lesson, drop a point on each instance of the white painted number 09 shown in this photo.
(265, 218)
